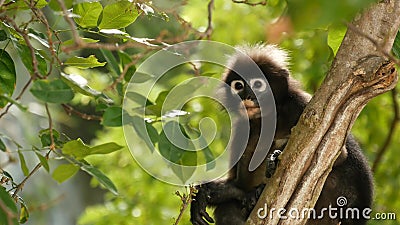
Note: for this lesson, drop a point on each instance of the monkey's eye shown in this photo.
(258, 85)
(237, 85)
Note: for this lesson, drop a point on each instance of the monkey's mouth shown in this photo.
(252, 109)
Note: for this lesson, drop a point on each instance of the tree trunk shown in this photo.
(359, 72)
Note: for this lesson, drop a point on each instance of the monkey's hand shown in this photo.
(272, 163)
(198, 213)
(251, 199)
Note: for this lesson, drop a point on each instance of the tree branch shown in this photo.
(359, 72)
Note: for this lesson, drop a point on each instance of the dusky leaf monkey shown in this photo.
(235, 196)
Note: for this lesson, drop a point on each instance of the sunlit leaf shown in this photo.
(85, 40)
(9, 203)
(88, 13)
(79, 84)
(105, 148)
(84, 63)
(76, 148)
(7, 76)
(55, 91)
(24, 214)
(22, 5)
(101, 177)
(118, 15)
(80, 150)
(335, 37)
(64, 172)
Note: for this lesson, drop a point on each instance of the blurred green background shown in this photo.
(310, 30)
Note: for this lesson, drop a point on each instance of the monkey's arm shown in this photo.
(213, 193)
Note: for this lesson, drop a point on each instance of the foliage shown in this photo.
(80, 56)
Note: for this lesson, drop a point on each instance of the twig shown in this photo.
(70, 110)
(39, 165)
(395, 122)
(207, 33)
(186, 200)
(250, 3)
(188, 26)
(52, 144)
(67, 16)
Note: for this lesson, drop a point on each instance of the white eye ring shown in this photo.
(237, 85)
(258, 84)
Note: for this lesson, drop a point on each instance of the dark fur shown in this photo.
(235, 197)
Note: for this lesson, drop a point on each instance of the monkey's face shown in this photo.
(248, 93)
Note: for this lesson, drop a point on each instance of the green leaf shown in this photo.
(79, 84)
(105, 148)
(22, 161)
(22, 5)
(55, 91)
(138, 98)
(148, 133)
(112, 62)
(24, 215)
(169, 150)
(7, 76)
(45, 139)
(139, 77)
(88, 14)
(56, 6)
(125, 59)
(101, 177)
(112, 117)
(25, 53)
(9, 203)
(13, 101)
(76, 148)
(118, 15)
(72, 41)
(396, 45)
(335, 37)
(64, 172)
(43, 161)
(3, 35)
(84, 63)
(80, 150)
(3, 147)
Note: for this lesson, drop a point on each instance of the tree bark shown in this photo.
(359, 72)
